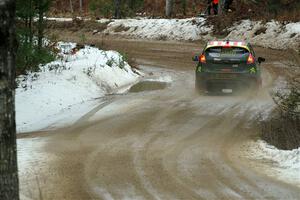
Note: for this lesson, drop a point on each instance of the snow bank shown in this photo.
(65, 89)
(272, 34)
(59, 19)
(285, 163)
(159, 29)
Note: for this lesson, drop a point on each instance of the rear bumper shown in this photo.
(220, 81)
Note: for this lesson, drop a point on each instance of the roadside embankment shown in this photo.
(272, 34)
(63, 90)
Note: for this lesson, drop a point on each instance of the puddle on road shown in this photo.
(148, 86)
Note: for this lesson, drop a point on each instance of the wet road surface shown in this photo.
(159, 141)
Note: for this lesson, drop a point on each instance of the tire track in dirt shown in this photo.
(165, 144)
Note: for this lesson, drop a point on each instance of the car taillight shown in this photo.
(250, 59)
(202, 58)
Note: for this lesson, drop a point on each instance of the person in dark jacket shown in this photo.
(227, 5)
(213, 4)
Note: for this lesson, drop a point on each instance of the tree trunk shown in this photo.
(183, 5)
(80, 6)
(71, 6)
(220, 8)
(194, 6)
(31, 14)
(40, 23)
(169, 8)
(9, 183)
(117, 14)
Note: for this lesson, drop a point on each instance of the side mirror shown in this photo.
(195, 58)
(261, 59)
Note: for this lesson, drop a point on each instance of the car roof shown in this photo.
(227, 43)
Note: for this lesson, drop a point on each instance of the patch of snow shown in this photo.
(159, 29)
(104, 20)
(273, 34)
(59, 19)
(64, 89)
(64, 19)
(285, 163)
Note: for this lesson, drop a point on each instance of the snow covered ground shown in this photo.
(65, 89)
(282, 164)
(272, 34)
(159, 29)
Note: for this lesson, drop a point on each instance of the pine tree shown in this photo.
(42, 8)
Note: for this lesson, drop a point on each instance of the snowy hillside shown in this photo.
(190, 29)
(273, 34)
(66, 88)
(258, 33)
(159, 29)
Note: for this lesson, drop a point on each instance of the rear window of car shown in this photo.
(228, 52)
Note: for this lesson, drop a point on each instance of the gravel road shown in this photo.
(164, 144)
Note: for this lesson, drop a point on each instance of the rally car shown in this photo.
(227, 66)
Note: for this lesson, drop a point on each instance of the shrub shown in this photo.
(106, 8)
(283, 128)
(30, 35)
(102, 7)
(30, 56)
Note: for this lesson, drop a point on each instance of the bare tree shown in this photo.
(169, 8)
(220, 7)
(9, 183)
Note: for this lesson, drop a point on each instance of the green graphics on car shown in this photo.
(227, 66)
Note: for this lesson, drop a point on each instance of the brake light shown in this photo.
(250, 59)
(202, 58)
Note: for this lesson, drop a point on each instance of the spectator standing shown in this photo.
(213, 4)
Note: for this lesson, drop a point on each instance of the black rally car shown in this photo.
(227, 66)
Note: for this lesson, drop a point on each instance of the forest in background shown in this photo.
(266, 9)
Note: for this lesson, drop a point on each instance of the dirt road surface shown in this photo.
(161, 144)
